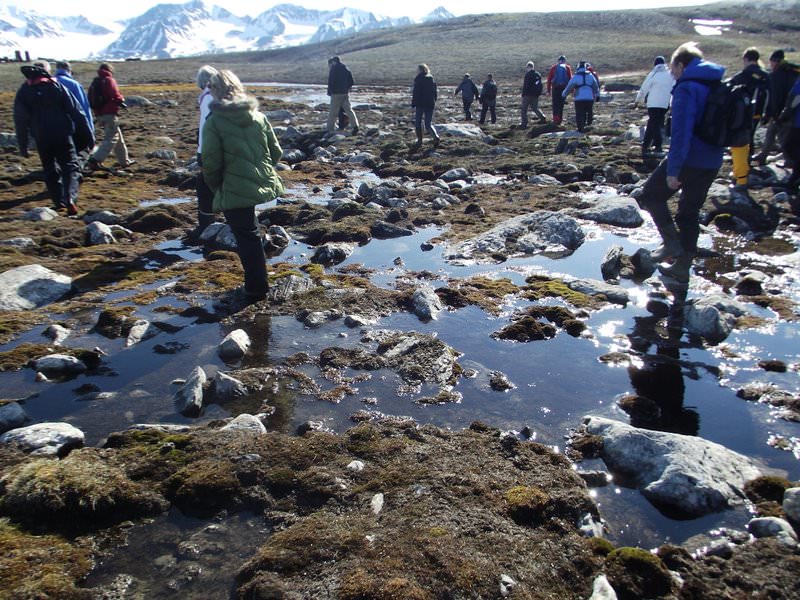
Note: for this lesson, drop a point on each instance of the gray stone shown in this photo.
(791, 504)
(617, 211)
(589, 527)
(57, 333)
(227, 387)
(602, 590)
(417, 357)
(98, 233)
(382, 230)
(141, 330)
(246, 424)
(463, 130)
(293, 156)
(163, 154)
(210, 233)
(8, 140)
(45, 439)
(356, 466)
(137, 101)
(40, 213)
(279, 115)
(224, 240)
(713, 316)
(543, 180)
(58, 364)
(12, 415)
(425, 303)
(686, 473)
(234, 346)
(455, 174)
(358, 321)
(31, 286)
(362, 158)
(762, 527)
(18, 242)
(332, 253)
(285, 287)
(189, 398)
(611, 265)
(316, 319)
(593, 287)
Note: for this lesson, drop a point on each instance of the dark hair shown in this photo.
(659, 60)
(777, 56)
(62, 64)
(582, 64)
(752, 54)
(334, 59)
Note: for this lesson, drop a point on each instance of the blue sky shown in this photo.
(105, 10)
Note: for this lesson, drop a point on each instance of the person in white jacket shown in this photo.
(656, 92)
(205, 214)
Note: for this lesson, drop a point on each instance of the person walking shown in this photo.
(791, 147)
(340, 82)
(65, 78)
(469, 91)
(106, 100)
(488, 99)
(781, 79)
(45, 108)
(586, 90)
(656, 94)
(240, 151)
(557, 79)
(690, 166)
(756, 82)
(205, 197)
(531, 91)
(423, 99)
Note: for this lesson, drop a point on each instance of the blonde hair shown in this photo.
(686, 53)
(225, 85)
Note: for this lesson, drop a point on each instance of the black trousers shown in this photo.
(558, 103)
(205, 202)
(791, 148)
(62, 170)
(654, 131)
(694, 187)
(582, 110)
(467, 108)
(488, 105)
(250, 248)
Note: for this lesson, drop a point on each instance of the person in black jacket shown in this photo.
(423, 99)
(488, 99)
(781, 79)
(756, 81)
(469, 91)
(46, 109)
(340, 80)
(531, 90)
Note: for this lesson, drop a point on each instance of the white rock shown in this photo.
(376, 504)
(688, 473)
(615, 293)
(355, 466)
(57, 333)
(210, 232)
(770, 527)
(235, 345)
(59, 364)
(98, 233)
(18, 242)
(425, 303)
(791, 503)
(12, 415)
(227, 387)
(246, 423)
(602, 590)
(507, 585)
(31, 286)
(45, 439)
(141, 330)
(713, 316)
(103, 216)
(40, 214)
(189, 398)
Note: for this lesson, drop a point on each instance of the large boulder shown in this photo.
(617, 210)
(425, 303)
(594, 287)
(713, 317)
(45, 439)
(189, 398)
(12, 415)
(684, 473)
(31, 286)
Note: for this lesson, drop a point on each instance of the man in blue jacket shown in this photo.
(691, 165)
(65, 78)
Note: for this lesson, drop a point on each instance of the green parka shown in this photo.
(239, 152)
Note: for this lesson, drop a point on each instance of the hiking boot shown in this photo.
(127, 163)
(418, 143)
(436, 140)
(679, 270)
(72, 210)
(670, 246)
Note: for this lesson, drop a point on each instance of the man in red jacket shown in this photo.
(106, 100)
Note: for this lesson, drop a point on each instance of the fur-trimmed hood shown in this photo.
(236, 110)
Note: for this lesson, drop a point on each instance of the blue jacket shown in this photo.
(584, 84)
(796, 111)
(73, 87)
(688, 103)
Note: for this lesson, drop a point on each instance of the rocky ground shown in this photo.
(388, 509)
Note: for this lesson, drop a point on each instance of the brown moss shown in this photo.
(526, 329)
(204, 487)
(526, 504)
(115, 321)
(768, 488)
(41, 566)
(784, 307)
(12, 323)
(539, 287)
(589, 446)
(18, 358)
(635, 573)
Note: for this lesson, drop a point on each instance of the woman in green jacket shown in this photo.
(239, 153)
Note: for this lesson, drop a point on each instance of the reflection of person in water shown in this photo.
(658, 382)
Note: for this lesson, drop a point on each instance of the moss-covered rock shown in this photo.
(635, 573)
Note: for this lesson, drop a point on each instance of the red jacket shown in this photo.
(552, 74)
(113, 98)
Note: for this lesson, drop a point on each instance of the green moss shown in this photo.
(81, 491)
(41, 566)
(599, 546)
(437, 532)
(635, 573)
(540, 287)
(204, 487)
(526, 504)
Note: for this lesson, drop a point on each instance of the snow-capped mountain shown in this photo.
(170, 30)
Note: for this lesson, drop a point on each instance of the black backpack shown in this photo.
(728, 116)
(537, 84)
(96, 97)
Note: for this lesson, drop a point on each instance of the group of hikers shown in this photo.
(238, 150)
